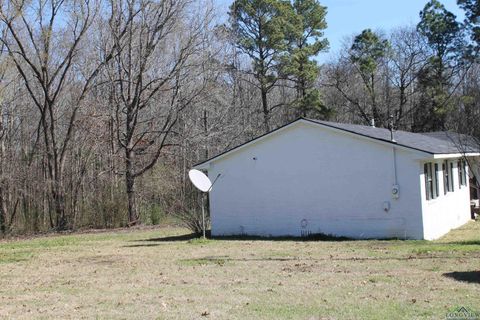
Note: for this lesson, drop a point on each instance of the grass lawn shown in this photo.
(160, 274)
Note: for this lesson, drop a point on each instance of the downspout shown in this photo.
(394, 153)
(395, 187)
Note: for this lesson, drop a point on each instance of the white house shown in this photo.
(313, 176)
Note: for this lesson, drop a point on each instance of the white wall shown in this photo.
(336, 182)
(449, 210)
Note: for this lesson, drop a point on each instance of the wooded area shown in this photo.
(106, 104)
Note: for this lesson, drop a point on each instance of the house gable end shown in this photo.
(297, 123)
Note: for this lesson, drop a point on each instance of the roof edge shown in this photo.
(204, 164)
(386, 141)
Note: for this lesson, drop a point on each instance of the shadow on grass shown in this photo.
(302, 261)
(466, 243)
(153, 242)
(182, 237)
(464, 276)
(142, 245)
(311, 237)
(193, 236)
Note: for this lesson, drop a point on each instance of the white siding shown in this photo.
(449, 210)
(336, 182)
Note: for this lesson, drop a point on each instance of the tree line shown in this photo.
(106, 104)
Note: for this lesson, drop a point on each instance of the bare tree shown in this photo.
(153, 61)
(408, 57)
(44, 40)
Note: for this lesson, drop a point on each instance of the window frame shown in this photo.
(452, 179)
(427, 171)
(459, 172)
(436, 193)
(462, 173)
(446, 177)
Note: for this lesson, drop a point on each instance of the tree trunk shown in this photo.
(375, 112)
(403, 100)
(303, 94)
(265, 110)
(3, 213)
(130, 184)
(59, 204)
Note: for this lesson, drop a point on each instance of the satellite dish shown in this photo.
(202, 183)
(200, 180)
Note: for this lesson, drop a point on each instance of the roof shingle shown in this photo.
(431, 142)
(434, 142)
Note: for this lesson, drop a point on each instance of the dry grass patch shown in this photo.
(165, 274)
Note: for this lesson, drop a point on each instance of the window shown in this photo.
(447, 167)
(462, 174)
(451, 177)
(432, 189)
(427, 170)
(446, 178)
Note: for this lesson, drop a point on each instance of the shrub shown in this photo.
(192, 219)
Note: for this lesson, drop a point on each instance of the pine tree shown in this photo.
(366, 52)
(259, 30)
(306, 40)
(442, 33)
(472, 21)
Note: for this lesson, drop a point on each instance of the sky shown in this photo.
(349, 17)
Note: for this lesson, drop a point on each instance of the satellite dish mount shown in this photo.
(202, 183)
